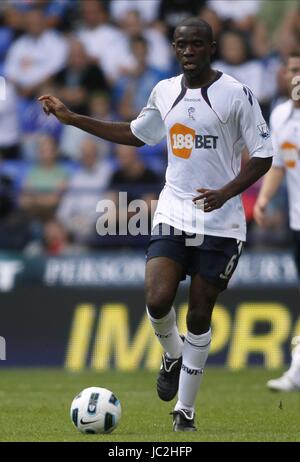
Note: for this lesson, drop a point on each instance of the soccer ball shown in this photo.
(95, 410)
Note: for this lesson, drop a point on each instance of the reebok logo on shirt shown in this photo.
(184, 140)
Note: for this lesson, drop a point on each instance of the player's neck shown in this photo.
(206, 78)
(296, 104)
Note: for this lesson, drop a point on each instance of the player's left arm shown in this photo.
(253, 170)
(255, 134)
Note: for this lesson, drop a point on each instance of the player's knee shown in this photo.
(198, 321)
(158, 304)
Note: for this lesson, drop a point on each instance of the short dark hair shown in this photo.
(197, 22)
(294, 54)
(139, 39)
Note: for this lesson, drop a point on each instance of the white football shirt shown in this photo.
(206, 130)
(285, 128)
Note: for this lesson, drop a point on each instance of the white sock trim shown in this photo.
(167, 334)
(201, 340)
(180, 405)
(170, 316)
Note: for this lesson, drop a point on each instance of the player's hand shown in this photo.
(259, 212)
(212, 199)
(53, 105)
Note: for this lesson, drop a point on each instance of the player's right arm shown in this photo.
(117, 132)
(273, 178)
(270, 185)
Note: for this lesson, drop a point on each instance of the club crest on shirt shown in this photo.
(191, 112)
(263, 130)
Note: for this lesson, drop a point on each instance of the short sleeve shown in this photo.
(253, 128)
(149, 126)
(277, 159)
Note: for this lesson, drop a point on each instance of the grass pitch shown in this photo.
(232, 406)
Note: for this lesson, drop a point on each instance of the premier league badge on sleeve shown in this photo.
(263, 130)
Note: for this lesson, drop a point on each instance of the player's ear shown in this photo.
(213, 48)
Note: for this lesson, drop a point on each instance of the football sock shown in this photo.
(194, 356)
(294, 371)
(167, 333)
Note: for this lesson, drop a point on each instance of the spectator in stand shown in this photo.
(236, 14)
(275, 37)
(103, 42)
(278, 17)
(147, 10)
(79, 79)
(72, 137)
(291, 21)
(133, 176)
(12, 18)
(159, 51)
(236, 60)
(138, 182)
(33, 122)
(77, 210)
(132, 91)
(216, 24)
(9, 124)
(36, 56)
(14, 227)
(10, 24)
(55, 11)
(55, 241)
(283, 26)
(100, 107)
(44, 182)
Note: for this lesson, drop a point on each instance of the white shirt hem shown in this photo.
(207, 231)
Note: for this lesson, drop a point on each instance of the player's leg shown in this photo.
(162, 279)
(202, 298)
(290, 380)
(211, 266)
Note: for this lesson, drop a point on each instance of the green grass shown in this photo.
(232, 406)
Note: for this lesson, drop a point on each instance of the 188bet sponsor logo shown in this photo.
(184, 140)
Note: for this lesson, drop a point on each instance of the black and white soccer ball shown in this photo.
(95, 410)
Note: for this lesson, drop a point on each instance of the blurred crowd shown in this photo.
(102, 58)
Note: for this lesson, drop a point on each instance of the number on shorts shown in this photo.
(232, 262)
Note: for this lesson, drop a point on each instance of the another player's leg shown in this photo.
(202, 299)
(290, 380)
(162, 279)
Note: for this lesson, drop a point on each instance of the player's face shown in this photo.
(193, 49)
(293, 73)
